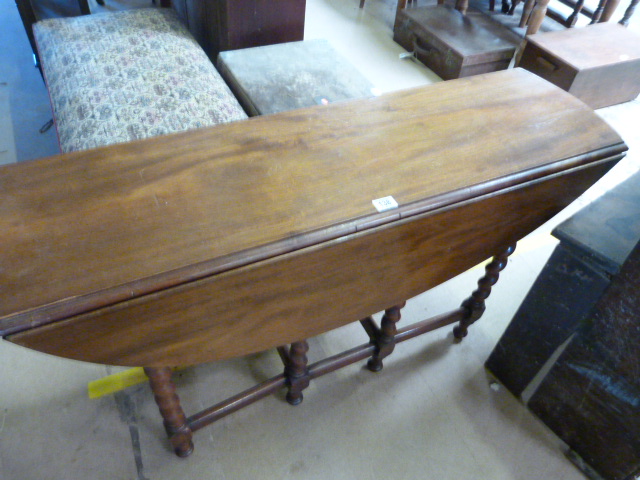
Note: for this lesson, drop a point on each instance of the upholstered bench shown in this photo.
(121, 76)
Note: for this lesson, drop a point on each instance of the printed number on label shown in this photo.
(385, 203)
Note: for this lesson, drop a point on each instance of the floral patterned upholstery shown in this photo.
(117, 77)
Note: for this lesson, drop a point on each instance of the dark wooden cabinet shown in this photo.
(221, 25)
(570, 351)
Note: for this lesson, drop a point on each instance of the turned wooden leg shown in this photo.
(573, 18)
(597, 14)
(296, 371)
(384, 337)
(627, 14)
(475, 304)
(505, 6)
(175, 421)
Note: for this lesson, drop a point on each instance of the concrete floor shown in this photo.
(432, 413)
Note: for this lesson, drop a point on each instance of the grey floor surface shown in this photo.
(430, 414)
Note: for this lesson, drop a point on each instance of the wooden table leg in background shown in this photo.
(603, 5)
(628, 12)
(573, 18)
(475, 304)
(175, 421)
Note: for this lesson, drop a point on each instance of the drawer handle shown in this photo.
(549, 65)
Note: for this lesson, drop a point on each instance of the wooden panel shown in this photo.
(221, 25)
(311, 291)
(607, 230)
(591, 397)
(251, 23)
(595, 242)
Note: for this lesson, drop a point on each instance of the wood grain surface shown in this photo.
(261, 232)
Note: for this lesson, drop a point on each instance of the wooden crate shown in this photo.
(599, 64)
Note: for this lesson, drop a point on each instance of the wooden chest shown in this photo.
(451, 44)
(599, 64)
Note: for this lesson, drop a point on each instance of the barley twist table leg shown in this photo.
(175, 421)
(475, 304)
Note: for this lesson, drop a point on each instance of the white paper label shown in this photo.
(385, 203)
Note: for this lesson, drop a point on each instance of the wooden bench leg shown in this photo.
(175, 421)
(475, 305)
(384, 337)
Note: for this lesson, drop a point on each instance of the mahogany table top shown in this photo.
(96, 229)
